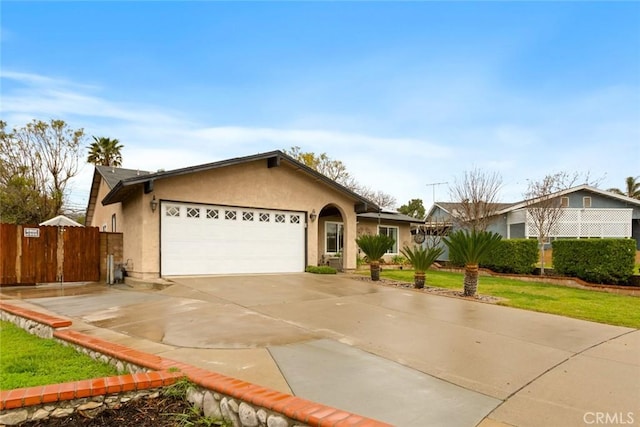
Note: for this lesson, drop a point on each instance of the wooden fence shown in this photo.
(46, 254)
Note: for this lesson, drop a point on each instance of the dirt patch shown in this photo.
(430, 290)
(145, 412)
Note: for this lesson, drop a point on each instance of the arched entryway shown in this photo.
(332, 232)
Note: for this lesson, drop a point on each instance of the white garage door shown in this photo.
(206, 239)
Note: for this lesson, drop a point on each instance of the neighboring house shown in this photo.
(264, 213)
(588, 212)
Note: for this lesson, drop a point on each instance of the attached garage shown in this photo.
(263, 213)
(211, 239)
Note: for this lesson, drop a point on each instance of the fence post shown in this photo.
(19, 254)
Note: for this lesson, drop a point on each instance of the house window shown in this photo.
(564, 202)
(113, 223)
(247, 216)
(294, 219)
(212, 213)
(279, 218)
(193, 213)
(334, 237)
(393, 233)
(173, 211)
(264, 217)
(586, 202)
(230, 215)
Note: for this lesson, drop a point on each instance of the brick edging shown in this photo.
(46, 319)
(164, 372)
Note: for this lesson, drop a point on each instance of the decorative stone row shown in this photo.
(120, 365)
(89, 406)
(33, 327)
(240, 414)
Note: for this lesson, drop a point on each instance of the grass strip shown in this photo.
(602, 307)
(27, 360)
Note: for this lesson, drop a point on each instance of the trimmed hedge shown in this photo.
(609, 261)
(320, 269)
(517, 256)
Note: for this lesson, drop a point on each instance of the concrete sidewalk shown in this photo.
(404, 357)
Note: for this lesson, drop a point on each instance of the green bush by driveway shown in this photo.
(608, 261)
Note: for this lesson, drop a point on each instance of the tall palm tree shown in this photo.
(374, 247)
(105, 152)
(471, 247)
(421, 259)
(632, 188)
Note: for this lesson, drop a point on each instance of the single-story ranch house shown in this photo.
(266, 213)
(588, 212)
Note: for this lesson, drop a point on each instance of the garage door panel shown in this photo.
(200, 239)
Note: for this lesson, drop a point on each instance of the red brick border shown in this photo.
(165, 372)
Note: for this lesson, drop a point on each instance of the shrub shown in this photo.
(595, 260)
(517, 256)
(398, 259)
(320, 269)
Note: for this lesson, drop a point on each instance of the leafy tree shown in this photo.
(413, 208)
(476, 194)
(105, 152)
(421, 259)
(632, 188)
(36, 163)
(471, 247)
(337, 171)
(374, 247)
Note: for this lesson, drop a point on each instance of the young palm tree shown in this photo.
(632, 188)
(105, 152)
(421, 259)
(471, 247)
(374, 247)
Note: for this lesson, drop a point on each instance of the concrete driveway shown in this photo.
(405, 357)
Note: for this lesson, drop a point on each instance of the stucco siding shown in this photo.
(103, 214)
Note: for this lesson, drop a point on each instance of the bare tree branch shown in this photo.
(476, 194)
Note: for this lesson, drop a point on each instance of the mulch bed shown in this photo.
(144, 412)
(430, 289)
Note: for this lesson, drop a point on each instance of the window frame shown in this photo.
(339, 233)
(397, 237)
(564, 199)
(586, 205)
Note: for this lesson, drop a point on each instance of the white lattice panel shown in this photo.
(589, 223)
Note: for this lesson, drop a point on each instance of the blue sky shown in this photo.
(405, 93)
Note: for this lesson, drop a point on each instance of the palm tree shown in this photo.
(471, 247)
(374, 247)
(105, 152)
(421, 259)
(632, 190)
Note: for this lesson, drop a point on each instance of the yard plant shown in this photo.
(374, 247)
(471, 247)
(27, 361)
(421, 259)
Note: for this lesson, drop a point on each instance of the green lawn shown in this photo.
(597, 306)
(26, 361)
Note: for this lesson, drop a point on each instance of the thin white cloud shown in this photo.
(158, 139)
